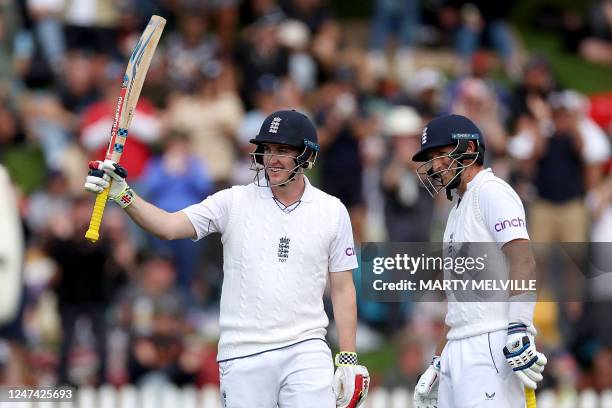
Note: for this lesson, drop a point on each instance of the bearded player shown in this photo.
(488, 354)
(283, 240)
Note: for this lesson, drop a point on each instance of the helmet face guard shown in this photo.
(432, 180)
(303, 161)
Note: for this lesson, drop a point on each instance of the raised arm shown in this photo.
(154, 220)
(162, 224)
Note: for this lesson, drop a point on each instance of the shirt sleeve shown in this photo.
(210, 215)
(342, 250)
(502, 212)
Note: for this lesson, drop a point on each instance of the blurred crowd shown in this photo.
(133, 309)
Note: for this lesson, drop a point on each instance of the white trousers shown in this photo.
(298, 376)
(474, 374)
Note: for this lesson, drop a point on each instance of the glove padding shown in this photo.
(351, 382)
(103, 174)
(426, 390)
(521, 354)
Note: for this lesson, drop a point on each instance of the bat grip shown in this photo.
(93, 233)
(530, 398)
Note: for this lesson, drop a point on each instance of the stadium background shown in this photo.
(136, 311)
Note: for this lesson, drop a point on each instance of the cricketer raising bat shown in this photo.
(133, 79)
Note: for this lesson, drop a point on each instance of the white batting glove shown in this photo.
(426, 390)
(100, 176)
(520, 351)
(351, 381)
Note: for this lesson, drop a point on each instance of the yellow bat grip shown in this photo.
(530, 398)
(93, 233)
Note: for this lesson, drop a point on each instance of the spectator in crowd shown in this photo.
(91, 26)
(596, 144)
(174, 181)
(189, 50)
(399, 18)
(10, 24)
(253, 10)
(529, 99)
(46, 16)
(324, 29)
(559, 215)
(210, 117)
(482, 17)
(85, 283)
(342, 122)
(295, 37)
(152, 310)
(424, 92)
(482, 67)
(477, 102)
(48, 202)
(259, 53)
(597, 46)
(408, 208)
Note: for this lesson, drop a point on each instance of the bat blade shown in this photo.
(134, 77)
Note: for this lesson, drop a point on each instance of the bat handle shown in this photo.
(530, 398)
(93, 233)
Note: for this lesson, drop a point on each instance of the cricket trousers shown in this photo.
(474, 374)
(298, 376)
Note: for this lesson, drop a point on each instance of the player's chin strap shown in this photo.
(304, 161)
(432, 180)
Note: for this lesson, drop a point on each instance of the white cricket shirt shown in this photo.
(275, 264)
(489, 211)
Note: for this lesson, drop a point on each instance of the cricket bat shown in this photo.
(530, 398)
(131, 86)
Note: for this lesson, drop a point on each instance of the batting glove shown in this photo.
(426, 390)
(100, 176)
(520, 351)
(351, 381)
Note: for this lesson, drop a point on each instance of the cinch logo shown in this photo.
(349, 251)
(274, 125)
(424, 136)
(515, 222)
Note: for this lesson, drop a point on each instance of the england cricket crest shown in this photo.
(283, 249)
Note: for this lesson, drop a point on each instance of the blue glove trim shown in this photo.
(526, 366)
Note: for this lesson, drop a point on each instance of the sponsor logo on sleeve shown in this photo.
(349, 251)
(512, 223)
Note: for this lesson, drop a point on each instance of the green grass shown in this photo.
(571, 70)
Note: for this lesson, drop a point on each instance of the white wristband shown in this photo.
(521, 307)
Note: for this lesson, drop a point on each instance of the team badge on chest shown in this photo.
(283, 249)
